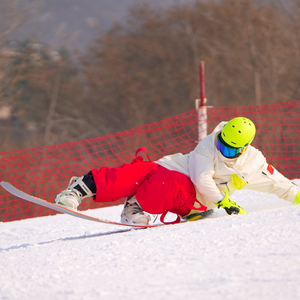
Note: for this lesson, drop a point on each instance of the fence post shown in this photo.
(200, 105)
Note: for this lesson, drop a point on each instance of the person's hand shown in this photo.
(230, 206)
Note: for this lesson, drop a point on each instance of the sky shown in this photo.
(252, 256)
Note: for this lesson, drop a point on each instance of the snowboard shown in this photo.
(20, 194)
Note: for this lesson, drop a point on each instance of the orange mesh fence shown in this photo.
(45, 171)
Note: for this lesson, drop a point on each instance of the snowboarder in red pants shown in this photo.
(186, 185)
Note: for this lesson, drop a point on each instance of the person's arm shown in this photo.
(268, 180)
(201, 168)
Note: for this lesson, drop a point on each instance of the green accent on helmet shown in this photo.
(238, 132)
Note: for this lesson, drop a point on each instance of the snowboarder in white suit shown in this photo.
(222, 163)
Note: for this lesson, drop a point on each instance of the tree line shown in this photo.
(146, 69)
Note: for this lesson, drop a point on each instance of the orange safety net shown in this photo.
(45, 171)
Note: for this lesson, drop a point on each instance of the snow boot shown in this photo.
(78, 189)
(133, 214)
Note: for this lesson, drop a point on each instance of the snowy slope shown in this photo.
(253, 256)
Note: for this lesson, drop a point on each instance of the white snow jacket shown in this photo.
(213, 174)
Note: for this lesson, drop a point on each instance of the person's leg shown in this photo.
(167, 190)
(105, 184)
(113, 184)
(78, 189)
(146, 185)
(132, 213)
(116, 183)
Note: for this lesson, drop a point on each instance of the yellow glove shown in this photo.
(237, 182)
(230, 206)
(297, 199)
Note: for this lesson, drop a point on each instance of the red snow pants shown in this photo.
(157, 189)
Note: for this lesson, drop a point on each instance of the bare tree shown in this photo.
(146, 69)
(14, 14)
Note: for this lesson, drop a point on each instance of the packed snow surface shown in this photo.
(253, 256)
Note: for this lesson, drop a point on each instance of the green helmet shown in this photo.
(238, 132)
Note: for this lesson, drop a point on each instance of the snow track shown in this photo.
(253, 256)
